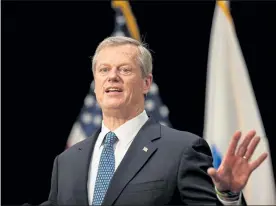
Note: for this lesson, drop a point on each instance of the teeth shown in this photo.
(113, 89)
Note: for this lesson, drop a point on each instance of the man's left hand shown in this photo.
(235, 168)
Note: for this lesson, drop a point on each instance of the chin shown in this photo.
(113, 105)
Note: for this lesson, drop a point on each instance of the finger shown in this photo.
(213, 174)
(252, 147)
(243, 146)
(259, 161)
(233, 144)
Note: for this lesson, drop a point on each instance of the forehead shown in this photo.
(117, 54)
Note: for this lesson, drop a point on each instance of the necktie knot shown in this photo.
(110, 138)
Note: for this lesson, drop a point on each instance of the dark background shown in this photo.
(46, 73)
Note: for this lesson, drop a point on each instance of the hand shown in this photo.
(235, 168)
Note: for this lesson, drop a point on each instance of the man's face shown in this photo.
(118, 78)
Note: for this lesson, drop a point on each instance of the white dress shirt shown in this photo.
(125, 134)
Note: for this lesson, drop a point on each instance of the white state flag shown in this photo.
(231, 105)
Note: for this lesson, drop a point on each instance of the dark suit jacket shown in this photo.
(173, 171)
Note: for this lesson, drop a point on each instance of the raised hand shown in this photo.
(235, 168)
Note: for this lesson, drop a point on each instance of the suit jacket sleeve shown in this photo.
(54, 183)
(194, 184)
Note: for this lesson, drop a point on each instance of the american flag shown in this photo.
(90, 117)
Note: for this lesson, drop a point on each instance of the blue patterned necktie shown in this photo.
(106, 169)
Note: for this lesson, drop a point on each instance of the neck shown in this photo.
(114, 119)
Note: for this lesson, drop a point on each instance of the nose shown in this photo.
(113, 75)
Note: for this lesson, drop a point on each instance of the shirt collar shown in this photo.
(127, 131)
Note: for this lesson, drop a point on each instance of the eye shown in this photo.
(125, 70)
(103, 70)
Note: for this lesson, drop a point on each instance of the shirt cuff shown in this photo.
(227, 202)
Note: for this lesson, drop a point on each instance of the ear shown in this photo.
(147, 83)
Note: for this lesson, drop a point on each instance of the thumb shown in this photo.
(213, 174)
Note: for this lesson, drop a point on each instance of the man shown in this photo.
(132, 159)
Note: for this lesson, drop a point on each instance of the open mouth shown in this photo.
(113, 90)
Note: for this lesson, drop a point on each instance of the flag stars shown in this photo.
(87, 118)
(89, 101)
(149, 104)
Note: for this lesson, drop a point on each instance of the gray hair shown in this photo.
(144, 56)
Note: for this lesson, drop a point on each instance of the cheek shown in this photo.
(134, 88)
(98, 85)
(98, 91)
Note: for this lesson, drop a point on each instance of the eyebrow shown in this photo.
(124, 64)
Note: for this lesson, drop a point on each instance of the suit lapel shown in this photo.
(82, 168)
(141, 149)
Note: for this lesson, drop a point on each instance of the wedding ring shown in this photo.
(244, 157)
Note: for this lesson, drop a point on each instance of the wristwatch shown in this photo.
(227, 194)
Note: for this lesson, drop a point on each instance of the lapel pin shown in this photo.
(145, 149)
